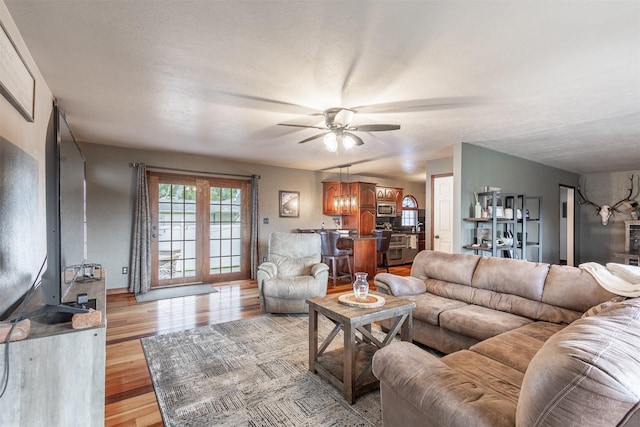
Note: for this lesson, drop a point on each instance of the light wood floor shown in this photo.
(130, 399)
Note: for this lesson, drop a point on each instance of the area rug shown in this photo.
(251, 372)
(176, 291)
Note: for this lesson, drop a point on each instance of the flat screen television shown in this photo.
(65, 218)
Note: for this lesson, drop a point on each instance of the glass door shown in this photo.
(200, 229)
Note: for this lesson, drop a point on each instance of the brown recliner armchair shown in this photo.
(293, 273)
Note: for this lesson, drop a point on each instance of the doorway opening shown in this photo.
(567, 225)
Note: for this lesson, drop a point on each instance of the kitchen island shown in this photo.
(364, 250)
(364, 253)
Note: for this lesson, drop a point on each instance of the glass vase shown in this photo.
(361, 286)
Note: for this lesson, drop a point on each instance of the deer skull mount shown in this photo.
(605, 211)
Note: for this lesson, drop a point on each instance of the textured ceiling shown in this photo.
(555, 82)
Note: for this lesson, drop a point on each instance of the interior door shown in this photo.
(442, 213)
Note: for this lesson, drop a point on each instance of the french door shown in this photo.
(200, 229)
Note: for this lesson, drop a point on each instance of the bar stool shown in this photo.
(382, 246)
(330, 252)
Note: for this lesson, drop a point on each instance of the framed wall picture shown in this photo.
(16, 81)
(289, 204)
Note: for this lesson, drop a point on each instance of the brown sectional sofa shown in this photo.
(519, 351)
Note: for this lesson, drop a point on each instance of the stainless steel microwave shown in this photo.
(386, 209)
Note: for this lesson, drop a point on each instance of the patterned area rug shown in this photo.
(251, 372)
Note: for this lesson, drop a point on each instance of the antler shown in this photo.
(588, 202)
(626, 199)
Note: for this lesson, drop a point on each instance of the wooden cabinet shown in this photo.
(366, 192)
(57, 374)
(331, 191)
(386, 194)
(360, 213)
(390, 194)
(364, 221)
(398, 201)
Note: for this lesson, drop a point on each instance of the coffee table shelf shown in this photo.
(349, 367)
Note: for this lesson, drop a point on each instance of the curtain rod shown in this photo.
(135, 164)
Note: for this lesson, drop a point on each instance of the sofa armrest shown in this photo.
(440, 395)
(318, 268)
(399, 285)
(268, 269)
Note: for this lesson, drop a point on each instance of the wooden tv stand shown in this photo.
(57, 374)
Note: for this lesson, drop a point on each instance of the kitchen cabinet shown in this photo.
(386, 194)
(364, 221)
(366, 193)
(360, 213)
(331, 191)
(390, 194)
(398, 201)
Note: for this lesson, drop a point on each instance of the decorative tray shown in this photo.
(372, 301)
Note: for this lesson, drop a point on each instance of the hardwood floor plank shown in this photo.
(129, 396)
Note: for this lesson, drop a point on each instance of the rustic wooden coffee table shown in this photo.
(349, 368)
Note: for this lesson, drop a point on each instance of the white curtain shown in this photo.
(140, 273)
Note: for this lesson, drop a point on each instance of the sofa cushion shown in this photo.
(294, 287)
(441, 395)
(573, 288)
(488, 374)
(511, 276)
(455, 268)
(480, 322)
(428, 307)
(587, 374)
(450, 290)
(516, 348)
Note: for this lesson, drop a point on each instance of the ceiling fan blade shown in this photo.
(311, 138)
(356, 138)
(273, 104)
(374, 128)
(419, 105)
(302, 126)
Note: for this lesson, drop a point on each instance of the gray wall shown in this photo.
(479, 167)
(600, 242)
(22, 168)
(111, 194)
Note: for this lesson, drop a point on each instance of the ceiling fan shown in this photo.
(339, 131)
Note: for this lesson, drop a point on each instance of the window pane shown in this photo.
(225, 247)
(189, 267)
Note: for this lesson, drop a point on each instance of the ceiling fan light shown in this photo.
(348, 142)
(343, 117)
(330, 142)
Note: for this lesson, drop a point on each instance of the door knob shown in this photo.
(436, 236)
(154, 235)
